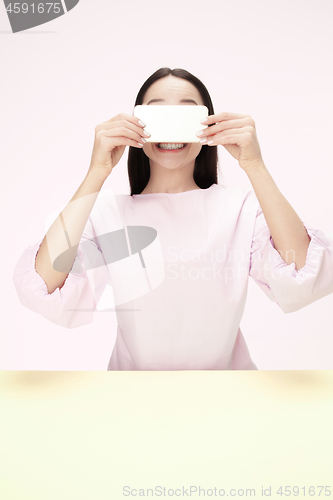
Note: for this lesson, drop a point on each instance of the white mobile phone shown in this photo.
(172, 123)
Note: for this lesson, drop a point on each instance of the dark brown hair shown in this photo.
(205, 167)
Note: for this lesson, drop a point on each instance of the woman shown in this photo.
(177, 251)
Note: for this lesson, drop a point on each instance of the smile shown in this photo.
(170, 146)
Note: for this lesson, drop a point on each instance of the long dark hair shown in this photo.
(205, 167)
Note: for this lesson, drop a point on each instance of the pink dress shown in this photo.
(175, 268)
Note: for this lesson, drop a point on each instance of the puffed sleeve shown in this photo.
(74, 303)
(291, 289)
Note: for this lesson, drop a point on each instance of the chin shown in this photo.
(171, 159)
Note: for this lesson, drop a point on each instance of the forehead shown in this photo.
(172, 86)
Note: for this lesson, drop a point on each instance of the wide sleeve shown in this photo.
(291, 289)
(72, 305)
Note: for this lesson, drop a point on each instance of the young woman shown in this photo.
(177, 252)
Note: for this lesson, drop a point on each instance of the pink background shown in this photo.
(269, 59)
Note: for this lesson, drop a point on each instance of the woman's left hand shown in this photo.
(237, 134)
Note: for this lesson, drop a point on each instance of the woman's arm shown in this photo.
(63, 237)
(66, 232)
(289, 235)
(237, 134)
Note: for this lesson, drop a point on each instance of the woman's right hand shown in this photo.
(111, 138)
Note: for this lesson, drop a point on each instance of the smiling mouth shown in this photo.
(170, 146)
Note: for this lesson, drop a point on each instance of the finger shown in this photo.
(235, 131)
(123, 141)
(123, 116)
(236, 137)
(125, 124)
(222, 117)
(230, 124)
(248, 131)
(121, 132)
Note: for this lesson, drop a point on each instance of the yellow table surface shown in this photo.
(87, 435)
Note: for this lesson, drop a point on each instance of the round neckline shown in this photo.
(173, 194)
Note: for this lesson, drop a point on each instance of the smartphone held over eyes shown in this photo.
(172, 123)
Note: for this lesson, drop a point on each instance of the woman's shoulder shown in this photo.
(236, 192)
(108, 209)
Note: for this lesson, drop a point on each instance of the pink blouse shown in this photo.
(175, 268)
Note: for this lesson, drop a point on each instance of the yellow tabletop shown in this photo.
(186, 434)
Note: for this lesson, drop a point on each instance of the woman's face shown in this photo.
(175, 91)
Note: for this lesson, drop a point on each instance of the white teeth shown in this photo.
(167, 145)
